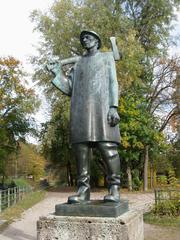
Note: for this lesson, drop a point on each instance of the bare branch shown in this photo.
(172, 113)
(161, 102)
(7, 110)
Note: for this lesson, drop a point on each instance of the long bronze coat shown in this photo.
(93, 88)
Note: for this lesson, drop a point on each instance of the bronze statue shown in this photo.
(93, 88)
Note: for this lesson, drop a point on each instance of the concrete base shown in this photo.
(128, 226)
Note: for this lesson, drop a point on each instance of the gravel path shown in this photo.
(155, 232)
(25, 228)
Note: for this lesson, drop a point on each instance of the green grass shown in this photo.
(14, 212)
(21, 182)
(164, 221)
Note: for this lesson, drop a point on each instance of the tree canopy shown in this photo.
(16, 106)
(146, 74)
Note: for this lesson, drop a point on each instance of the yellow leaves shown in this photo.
(122, 108)
(30, 162)
(129, 108)
(129, 68)
(131, 142)
(138, 145)
(158, 137)
(13, 93)
(124, 142)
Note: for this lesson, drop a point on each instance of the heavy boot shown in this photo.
(113, 195)
(83, 154)
(83, 195)
(111, 157)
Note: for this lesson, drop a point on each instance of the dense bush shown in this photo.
(162, 180)
(167, 208)
(21, 182)
(136, 182)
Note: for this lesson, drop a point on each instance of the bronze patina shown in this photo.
(93, 88)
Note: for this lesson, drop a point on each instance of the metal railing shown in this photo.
(166, 194)
(11, 196)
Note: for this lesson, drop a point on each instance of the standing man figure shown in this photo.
(93, 88)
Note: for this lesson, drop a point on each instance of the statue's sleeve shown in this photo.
(64, 84)
(113, 83)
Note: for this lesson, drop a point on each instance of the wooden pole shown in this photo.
(146, 159)
(0, 201)
(8, 197)
(15, 195)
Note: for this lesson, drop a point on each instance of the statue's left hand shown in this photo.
(113, 117)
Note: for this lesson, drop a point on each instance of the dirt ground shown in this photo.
(25, 228)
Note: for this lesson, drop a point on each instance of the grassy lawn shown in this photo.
(14, 212)
(164, 221)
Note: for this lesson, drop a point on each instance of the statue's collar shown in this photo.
(87, 54)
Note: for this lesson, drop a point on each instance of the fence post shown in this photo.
(155, 191)
(18, 194)
(21, 192)
(8, 197)
(0, 201)
(11, 196)
(15, 195)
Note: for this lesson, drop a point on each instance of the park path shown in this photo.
(155, 232)
(25, 228)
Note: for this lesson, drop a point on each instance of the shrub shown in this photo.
(136, 182)
(21, 182)
(172, 180)
(162, 180)
(168, 208)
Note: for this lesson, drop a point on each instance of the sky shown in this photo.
(16, 30)
(18, 39)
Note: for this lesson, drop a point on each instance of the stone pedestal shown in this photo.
(128, 226)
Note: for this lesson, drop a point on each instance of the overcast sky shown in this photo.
(17, 38)
(16, 30)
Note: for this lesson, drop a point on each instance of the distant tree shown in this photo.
(152, 22)
(30, 162)
(174, 156)
(142, 32)
(55, 141)
(159, 95)
(16, 106)
(138, 130)
(129, 69)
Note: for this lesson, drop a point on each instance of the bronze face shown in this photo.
(89, 41)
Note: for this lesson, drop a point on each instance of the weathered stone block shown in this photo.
(128, 226)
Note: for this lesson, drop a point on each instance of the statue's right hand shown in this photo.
(54, 67)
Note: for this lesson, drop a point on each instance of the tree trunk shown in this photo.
(129, 178)
(146, 159)
(69, 175)
(151, 176)
(3, 180)
(105, 181)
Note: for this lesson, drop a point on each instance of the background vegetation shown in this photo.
(149, 99)
(148, 77)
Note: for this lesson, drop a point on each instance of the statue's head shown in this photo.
(90, 38)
